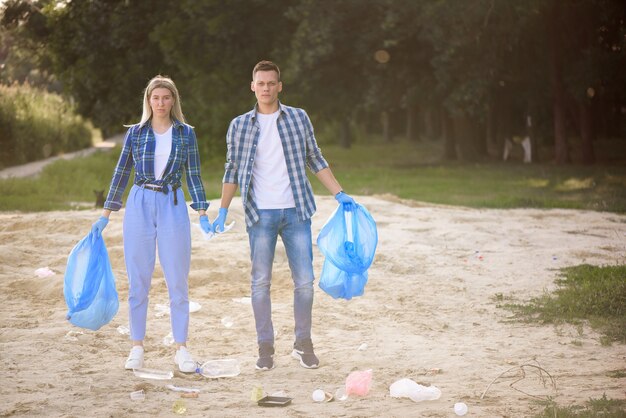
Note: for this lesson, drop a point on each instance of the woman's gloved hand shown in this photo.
(205, 224)
(218, 225)
(99, 226)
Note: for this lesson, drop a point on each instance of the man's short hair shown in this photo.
(266, 66)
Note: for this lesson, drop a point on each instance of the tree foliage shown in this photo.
(471, 71)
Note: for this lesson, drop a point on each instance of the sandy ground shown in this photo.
(429, 313)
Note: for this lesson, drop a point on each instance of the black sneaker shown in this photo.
(266, 357)
(303, 351)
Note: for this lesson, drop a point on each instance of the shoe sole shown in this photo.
(295, 354)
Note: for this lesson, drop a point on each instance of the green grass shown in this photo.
(407, 170)
(593, 408)
(586, 293)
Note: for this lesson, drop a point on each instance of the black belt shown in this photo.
(162, 189)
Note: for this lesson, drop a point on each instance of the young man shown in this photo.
(268, 150)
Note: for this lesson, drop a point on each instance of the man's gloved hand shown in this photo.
(218, 225)
(205, 224)
(99, 226)
(347, 202)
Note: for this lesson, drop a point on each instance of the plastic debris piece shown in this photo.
(189, 395)
(362, 347)
(194, 307)
(72, 335)
(210, 235)
(407, 388)
(44, 272)
(123, 330)
(182, 389)
(245, 300)
(138, 395)
(257, 394)
(318, 395)
(220, 368)
(179, 407)
(340, 394)
(168, 339)
(227, 321)
(358, 383)
(153, 374)
(460, 409)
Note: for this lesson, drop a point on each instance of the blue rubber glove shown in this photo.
(218, 225)
(99, 225)
(205, 224)
(347, 202)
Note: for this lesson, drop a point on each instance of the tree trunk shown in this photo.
(345, 139)
(448, 137)
(429, 124)
(411, 128)
(384, 119)
(586, 132)
(561, 154)
(465, 137)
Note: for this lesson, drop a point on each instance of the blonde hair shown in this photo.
(161, 81)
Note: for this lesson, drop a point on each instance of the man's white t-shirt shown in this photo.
(162, 151)
(270, 179)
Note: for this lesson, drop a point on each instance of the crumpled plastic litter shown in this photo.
(359, 382)
(407, 388)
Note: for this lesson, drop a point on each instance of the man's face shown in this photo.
(266, 87)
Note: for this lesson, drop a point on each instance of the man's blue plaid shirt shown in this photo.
(300, 149)
(138, 152)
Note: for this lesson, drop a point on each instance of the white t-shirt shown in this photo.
(270, 179)
(162, 151)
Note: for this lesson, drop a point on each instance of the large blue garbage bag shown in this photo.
(348, 241)
(89, 286)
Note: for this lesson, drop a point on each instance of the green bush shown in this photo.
(35, 124)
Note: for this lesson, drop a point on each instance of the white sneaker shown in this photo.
(185, 361)
(135, 358)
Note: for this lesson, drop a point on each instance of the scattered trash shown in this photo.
(189, 395)
(168, 339)
(274, 401)
(44, 272)
(362, 347)
(460, 409)
(434, 371)
(219, 368)
(340, 394)
(227, 321)
(138, 395)
(123, 330)
(194, 307)
(553, 258)
(73, 335)
(407, 388)
(182, 389)
(358, 383)
(257, 394)
(319, 395)
(179, 407)
(153, 374)
(210, 235)
(280, 393)
(245, 300)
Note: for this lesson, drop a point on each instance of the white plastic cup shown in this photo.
(460, 409)
(318, 395)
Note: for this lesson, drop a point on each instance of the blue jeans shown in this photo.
(296, 236)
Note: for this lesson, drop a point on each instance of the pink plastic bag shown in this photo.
(358, 382)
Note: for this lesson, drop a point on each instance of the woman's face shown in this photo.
(161, 102)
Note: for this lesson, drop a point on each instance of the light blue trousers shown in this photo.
(151, 221)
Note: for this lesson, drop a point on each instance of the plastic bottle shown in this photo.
(153, 374)
(219, 368)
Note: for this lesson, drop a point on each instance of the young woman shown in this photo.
(160, 147)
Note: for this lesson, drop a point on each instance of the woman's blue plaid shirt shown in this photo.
(138, 152)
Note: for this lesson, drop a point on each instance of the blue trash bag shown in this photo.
(348, 240)
(89, 286)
